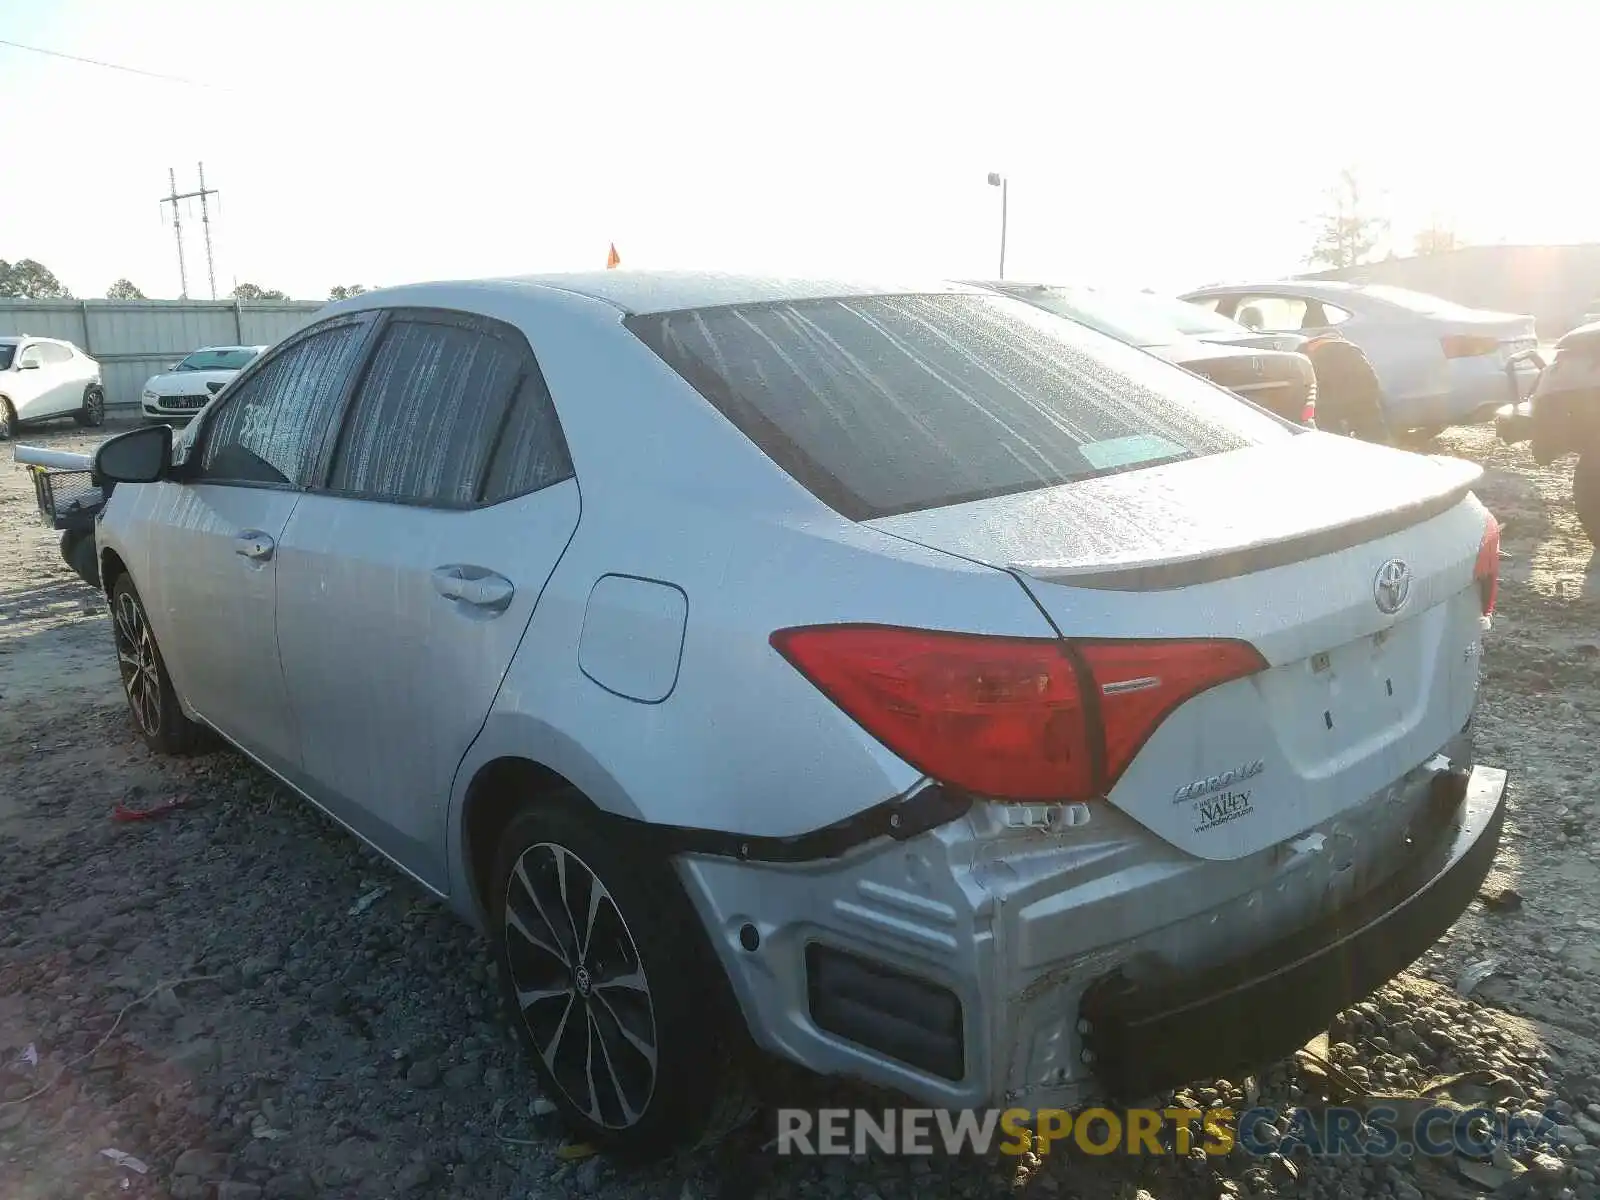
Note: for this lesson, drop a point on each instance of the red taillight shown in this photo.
(1141, 682)
(1468, 345)
(1308, 412)
(1020, 719)
(1487, 569)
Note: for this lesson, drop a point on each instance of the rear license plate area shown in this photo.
(1360, 688)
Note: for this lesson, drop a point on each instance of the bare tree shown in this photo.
(124, 289)
(1349, 230)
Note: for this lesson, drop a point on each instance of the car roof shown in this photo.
(636, 291)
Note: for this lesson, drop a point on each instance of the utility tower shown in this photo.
(172, 198)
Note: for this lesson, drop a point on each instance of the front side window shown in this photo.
(270, 428)
(8, 354)
(33, 355)
(428, 414)
(889, 404)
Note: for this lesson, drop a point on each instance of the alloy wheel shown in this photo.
(137, 662)
(94, 408)
(580, 986)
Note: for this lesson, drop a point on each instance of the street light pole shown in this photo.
(1000, 181)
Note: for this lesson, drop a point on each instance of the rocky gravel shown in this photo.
(239, 1001)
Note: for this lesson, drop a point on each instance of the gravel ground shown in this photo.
(252, 1004)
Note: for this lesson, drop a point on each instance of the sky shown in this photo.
(1145, 143)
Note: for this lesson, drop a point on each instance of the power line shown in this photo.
(95, 62)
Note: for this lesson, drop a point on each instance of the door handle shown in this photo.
(474, 586)
(254, 544)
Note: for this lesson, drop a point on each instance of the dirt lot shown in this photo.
(251, 1004)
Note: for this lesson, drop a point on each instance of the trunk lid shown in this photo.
(1281, 546)
(1279, 382)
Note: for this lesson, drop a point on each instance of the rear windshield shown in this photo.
(217, 360)
(893, 404)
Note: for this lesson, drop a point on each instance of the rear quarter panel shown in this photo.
(673, 493)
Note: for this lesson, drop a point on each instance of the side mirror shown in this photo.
(28, 364)
(138, 456)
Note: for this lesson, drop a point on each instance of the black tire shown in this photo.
(151, 700)
(93, 413)
(8, 420)
(1586, 493)
(645, 930)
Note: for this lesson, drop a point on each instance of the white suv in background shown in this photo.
(42, 378)
(187, 386)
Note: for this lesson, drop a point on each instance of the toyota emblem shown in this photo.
(1392, 586)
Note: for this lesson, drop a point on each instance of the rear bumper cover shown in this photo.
(1238, 1016)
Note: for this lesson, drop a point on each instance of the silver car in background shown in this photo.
(952, 696)
(1439, 363)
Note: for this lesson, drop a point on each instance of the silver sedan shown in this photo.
(1438, 363)
(948, 694)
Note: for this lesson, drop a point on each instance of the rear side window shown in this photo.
(449, 413)
(892, 404)
(532, 452)
(270, 429)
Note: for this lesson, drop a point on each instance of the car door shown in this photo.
(406, 583)
(57, 369)
(212, 539)
(36, 378)
(73, 372)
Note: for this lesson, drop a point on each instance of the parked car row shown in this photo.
(1370, 360)
(943, 692)
(44, 378)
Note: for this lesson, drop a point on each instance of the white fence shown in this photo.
(135, 339)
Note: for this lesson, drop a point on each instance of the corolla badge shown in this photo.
(1391, 587)
(1202, 787)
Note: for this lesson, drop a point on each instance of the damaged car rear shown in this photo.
(960, 699)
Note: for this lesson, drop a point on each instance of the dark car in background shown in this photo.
(1280, 381)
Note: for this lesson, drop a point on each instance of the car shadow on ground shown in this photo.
(59, 595)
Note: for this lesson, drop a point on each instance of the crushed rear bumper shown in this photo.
(1143, 1038)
